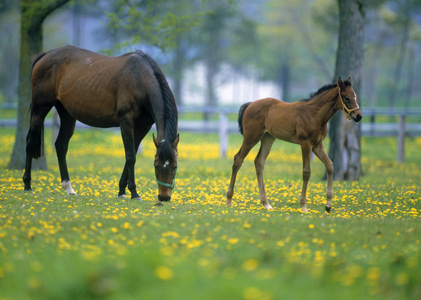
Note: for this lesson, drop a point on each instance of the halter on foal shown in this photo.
(302, 122)
(129, 91)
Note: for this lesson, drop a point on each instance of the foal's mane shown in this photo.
(165, 151)
(325, 88)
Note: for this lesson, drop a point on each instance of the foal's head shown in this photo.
(165, 167)
(348, 97)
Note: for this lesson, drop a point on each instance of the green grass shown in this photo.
(54, 246)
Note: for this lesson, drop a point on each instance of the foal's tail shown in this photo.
(240, 116)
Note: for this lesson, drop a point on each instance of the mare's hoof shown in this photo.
(159, 203)
(122, 196)
(328, 209)
(138, 198)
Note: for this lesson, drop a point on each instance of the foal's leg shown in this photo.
(67, 127)
(259, 163)
(139, 135)
(248, 144)
(305, 151)
(127, 133)
(320, 152)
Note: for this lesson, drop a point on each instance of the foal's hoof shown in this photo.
(328, 209)
(122, 196)
(159, 203)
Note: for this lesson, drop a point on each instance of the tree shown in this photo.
(165, 25)
(401, 22)
(345, 137)
(33, 14)
(9, 59)
(299, 39)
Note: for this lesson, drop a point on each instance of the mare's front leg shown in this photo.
(320, 152)
(127, 133)
(305, 152)
(139, 134)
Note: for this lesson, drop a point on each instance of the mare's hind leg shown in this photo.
(322, 155)
(248, 143)
(139, 135)
(259, 163)
(67, 127)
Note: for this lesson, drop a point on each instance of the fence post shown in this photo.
(401, 139)
(223, 135)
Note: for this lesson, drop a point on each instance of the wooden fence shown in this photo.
(223, 126)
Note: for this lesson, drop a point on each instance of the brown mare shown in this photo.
(129, 91)
(302, 122)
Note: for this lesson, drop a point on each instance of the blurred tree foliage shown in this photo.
(286, 42)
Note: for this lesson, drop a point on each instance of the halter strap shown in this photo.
(170, 185)
(345, 109)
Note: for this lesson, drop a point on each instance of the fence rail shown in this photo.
(223, 126)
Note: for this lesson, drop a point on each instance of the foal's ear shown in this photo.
(340, 83)
(175, 143)
(155, 141)
(349, 80)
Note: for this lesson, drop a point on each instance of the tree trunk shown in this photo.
(284, 79)
(33, 14)
(403, 45)
(179, 62)
(345, 137)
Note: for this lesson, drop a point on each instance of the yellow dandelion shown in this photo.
(233, 241)
(164, 273)
(250, 265)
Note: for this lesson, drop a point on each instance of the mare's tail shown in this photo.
(240, 116)
(35, 142)
(35, 136)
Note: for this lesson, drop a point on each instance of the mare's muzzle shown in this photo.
(164, 198)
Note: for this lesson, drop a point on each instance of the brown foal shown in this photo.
(302, 122)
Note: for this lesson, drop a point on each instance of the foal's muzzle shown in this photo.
(357, 117)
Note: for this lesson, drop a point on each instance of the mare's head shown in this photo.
(348, 99)
(165, 167)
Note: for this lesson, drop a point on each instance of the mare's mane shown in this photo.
(165, 151)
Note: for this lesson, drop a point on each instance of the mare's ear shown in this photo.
(155, 141)
(175, 143)
(340, 83)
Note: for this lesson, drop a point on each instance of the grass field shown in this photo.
(95, 245)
